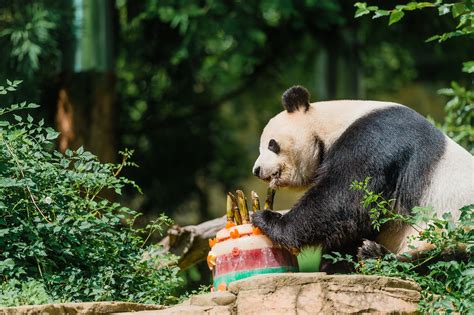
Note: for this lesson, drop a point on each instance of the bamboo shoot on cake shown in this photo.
(269, 201)
(255, 201)
(235, 208)
(230, 210)
(244, 210)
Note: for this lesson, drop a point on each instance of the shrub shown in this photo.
(60, 239)
(447, 285)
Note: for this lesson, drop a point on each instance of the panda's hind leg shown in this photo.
(408, 251)
(370, 250)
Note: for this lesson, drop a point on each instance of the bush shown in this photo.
(447, 285)
(60, 239)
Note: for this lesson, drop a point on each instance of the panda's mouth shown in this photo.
(275, 179)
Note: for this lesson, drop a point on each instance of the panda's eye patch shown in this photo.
(273, 146)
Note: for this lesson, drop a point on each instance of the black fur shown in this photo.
(321, 150)
(295, 97)
(396, 147)
(371, 250)
(274, 146)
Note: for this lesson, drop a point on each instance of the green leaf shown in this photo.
(422, 5)
(360, 12)
(458, 9)
(395, 16)
(51, 133)
(7, 263)
(432, 38)
(85, 225)
(468, 67)
(411, 6)
(64, 163)
(17, 118)
(380, 13)
(362, 9)
(443, 9)
(29, 118)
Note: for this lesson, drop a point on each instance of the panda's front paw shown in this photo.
(267, 222)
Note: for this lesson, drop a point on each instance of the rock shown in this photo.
(285, 293)
(192, 310)
(318, 293)
(307, 293)
(79, 308)
(214, 298)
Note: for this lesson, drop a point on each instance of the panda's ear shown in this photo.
(295, 97)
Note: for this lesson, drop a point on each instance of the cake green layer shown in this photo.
(238, 275)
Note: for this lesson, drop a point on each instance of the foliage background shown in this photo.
(189, 85)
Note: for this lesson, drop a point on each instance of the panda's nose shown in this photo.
(256, 171)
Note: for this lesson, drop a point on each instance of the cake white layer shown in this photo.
(242, 243)
(243, 229)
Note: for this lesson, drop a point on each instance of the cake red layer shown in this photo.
(267, 257)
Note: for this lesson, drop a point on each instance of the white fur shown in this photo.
(452, 183)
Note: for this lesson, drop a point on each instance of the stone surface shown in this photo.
(287, 293)
(318, 293)
(215, 298)
(307, 293)
(79, 308)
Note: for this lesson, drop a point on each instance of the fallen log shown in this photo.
(191, 243)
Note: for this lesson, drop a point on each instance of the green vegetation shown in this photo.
(447, 285)
(61, 239)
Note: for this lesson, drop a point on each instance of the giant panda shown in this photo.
(322, 147)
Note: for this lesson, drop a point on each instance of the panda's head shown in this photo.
(290, 150)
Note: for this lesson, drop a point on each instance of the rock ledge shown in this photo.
(286, 293)
(306, 293)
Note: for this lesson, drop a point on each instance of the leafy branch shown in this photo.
(380, 209)
(463, 11)
(23, 176)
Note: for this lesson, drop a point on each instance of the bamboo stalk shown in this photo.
(229, 209)
(269, 201)
(235, 208)
(255, 201)
(244, 210)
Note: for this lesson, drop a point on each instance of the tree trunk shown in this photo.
(86, 114)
